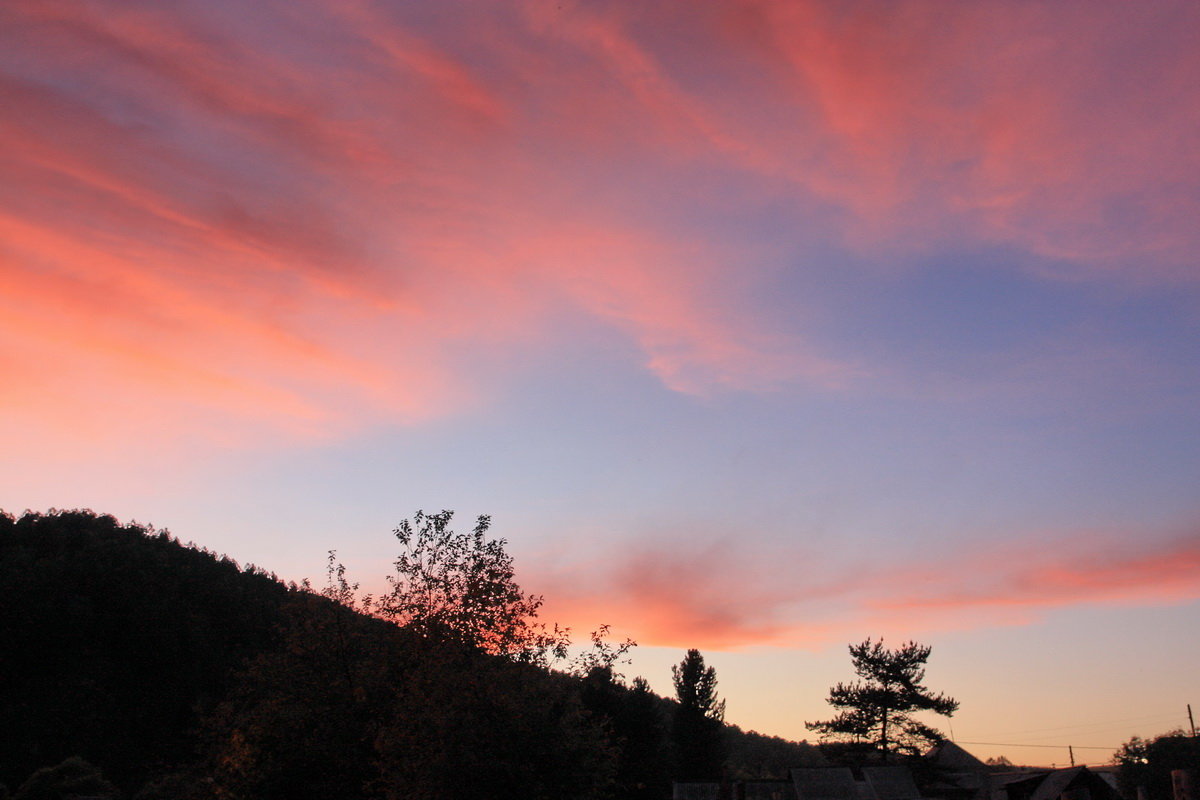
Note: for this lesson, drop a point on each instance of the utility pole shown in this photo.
(1071, 752)
(1191, 720)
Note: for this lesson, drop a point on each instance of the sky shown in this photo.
(757, 327)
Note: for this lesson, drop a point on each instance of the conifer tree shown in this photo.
(698, 728)
(878, 708)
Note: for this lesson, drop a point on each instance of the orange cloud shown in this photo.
(671, 596)
(282, 223)
(1082, 572)
(236, 227)
(1063, 131)
(718, 597)
(1055, 129)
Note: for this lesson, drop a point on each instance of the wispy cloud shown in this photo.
(1058, 131)
(720, 597)
(281, 217)
(239, 224)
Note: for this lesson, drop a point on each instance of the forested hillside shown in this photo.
(176, 673)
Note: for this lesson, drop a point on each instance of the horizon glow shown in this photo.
(758, 327)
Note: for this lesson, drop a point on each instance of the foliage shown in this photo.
(116, 638)
(183, 675)
(185, 784)
(1149, 762)
(301, 721)
(697, 729)
(639, 724)
(635, 721)
(754, 755)
(877, 710)
(74, 777)
(468, 725)
(696, 686)
(602, 655)
(460, 587)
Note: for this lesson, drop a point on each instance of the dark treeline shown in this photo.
(135, 666)
(1148, 763)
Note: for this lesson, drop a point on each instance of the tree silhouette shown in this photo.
(465, 724)
(181, 675)
(116, 638)
(877, 709)
(460, 587)
(72, 778)
(1148, 763)
(698, 731)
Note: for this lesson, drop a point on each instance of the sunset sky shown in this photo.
(758, 327)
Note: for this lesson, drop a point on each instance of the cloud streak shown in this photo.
(719, 597)
(1059, 132)
(209, 213)
(269, 222)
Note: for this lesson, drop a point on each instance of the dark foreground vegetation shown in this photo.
(135, 666)
(1147, 764)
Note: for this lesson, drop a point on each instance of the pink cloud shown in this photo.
(719, 597)
(285, 191)
(1079, 570)
(1054, 128)
(282, 224)
(670, 596)
(1060, 130)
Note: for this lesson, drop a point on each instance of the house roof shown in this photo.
(825, 783)
(1056, 783)
(950, 756)
(891, 783)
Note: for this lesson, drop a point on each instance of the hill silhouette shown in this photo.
(178, 673)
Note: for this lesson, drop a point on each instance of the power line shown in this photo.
(1082, 734)
(1101, 724)
(1052, 746)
